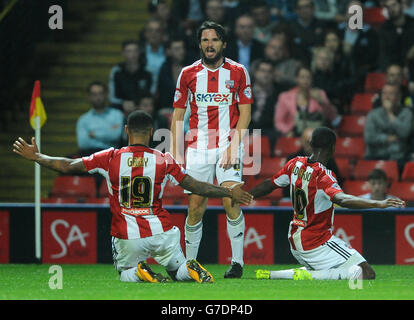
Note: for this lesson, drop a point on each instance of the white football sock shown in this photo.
(182, 273)
(193, 236)
(282, 274)
(235, 231)
(130, 275)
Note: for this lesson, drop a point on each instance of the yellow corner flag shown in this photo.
(36, 107)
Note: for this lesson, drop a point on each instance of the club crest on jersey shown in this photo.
(177, 95)
(137, 162)
(229, 84)
(248, 92)
(213, 99)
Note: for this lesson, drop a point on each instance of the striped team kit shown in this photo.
(312, 188)
(213, 97)
(136, 176)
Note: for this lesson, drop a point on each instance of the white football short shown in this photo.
(165, 248)
(332, 254)
(204, 165)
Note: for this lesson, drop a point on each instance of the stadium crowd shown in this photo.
(308, 69)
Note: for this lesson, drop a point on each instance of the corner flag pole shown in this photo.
(37, 120)
(38, 216)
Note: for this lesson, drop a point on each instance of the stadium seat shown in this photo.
(408, 172)
(345, 168)
(173, 192)
(403, 190)
(286, 146)
(350, 147)
(361, 103)
(356, 187)
(374, 81)
(374, 16)
(74, 186)
(352, 126)
(251, 142)
(364, 167)
(60, 200)
(271, 166)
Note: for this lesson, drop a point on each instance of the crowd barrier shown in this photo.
(80, 233)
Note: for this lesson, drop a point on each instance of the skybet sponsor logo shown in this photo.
(213, 99)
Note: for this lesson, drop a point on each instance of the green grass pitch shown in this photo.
(101, 282)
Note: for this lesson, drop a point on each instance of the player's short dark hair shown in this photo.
(323, 138)
(139, 122)
(220, 31)
(377, 174)
(96, 83)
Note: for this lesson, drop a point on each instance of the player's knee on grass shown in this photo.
(367, 272)
(196, 207)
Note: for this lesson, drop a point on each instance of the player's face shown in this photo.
(211, 46)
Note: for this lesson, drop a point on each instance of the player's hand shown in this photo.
(396, 203)
(229, 159)
(28, 151)
(238, 195)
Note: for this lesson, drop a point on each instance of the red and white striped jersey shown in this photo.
(312, 188)
(213, 97)
(136, 176)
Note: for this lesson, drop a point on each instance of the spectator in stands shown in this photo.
(263, 23)
(388, 127)
(395, 35)
(188, 12)
(282, 10)
(326, 10)
(307, 29)
(128, 80)
(360, 47)
(284, 64)
(154, 36)
(303, 107)
(337, 86)
(101, 127)
(159, 9)
(265, 95)
(378, 185)
(243, 48)
(170, 70)
(214, 11)
(394, 75)
(341, 62)
(234, 9)
(306, 150)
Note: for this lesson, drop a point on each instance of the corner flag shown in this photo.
(36, 108)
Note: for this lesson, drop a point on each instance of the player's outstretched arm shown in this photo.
(237, 194)
(262, 189)
(31, 152)
(353, 202)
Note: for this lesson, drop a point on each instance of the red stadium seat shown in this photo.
(364, 167)
(374, 81)
(361, 103)
(345, 168)
(271, 166)
(403, 190)
(60, 200)
(408, 172)
(350, 147)
(74, 186)
(286, 146)
(252, 142)
(356, 187)
(173, 192)
(352, 126)
(374, 16)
